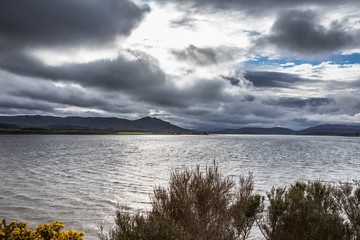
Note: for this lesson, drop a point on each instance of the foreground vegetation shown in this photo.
(48, 231)
(207, 206)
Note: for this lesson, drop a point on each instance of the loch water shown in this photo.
(82, 179)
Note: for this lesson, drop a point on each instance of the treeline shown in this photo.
(208, 206)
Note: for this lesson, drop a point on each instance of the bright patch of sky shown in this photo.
(339, 59)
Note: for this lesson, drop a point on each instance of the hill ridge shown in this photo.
(324, 129)
(54, 123)
(152, 124)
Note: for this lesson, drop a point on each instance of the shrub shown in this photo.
(196, 205)
(304, 211)
(48, 231)
(348, 197)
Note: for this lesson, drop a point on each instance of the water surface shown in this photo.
(80, 180)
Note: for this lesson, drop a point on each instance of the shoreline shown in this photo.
(45, 132)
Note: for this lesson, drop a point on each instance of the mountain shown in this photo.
(274, 131)
(332, 129)
(329, 129)
(149, 124)
(156, 125)
(7, 126)
(48, 123)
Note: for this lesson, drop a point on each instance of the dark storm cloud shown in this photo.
(201, 92)
(117, 74)
(69, 23)
(136, 84)
(237, 111)
(44, 23)
(258, 6)
(300, 32)
(141, 79)
(25, 25)
(234, 114)
(302, 123)
(238, 80)
(62, 95)
(73, 23)
(300, 103)
(10, 102)
(29, 93)
(233, 80)
(275, 79)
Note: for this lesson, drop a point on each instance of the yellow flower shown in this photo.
(46, 231)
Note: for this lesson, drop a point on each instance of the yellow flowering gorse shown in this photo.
(48, 231)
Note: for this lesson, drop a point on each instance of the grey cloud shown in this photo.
(300, 103)
(342, 85)
(28, 91)
(117, 74)
(302, 123)
(259, 6)
(66, 23)
(275, 79)
(11, 103)
(134, 86)
(267, 110)
(202, 91)
(237, 79)
(208, 91)
(199, 56)
(345, 103)
(43, 23)
(186, 22)
(141, 79)
(300, 32)
(231, 114)
(206, 56)
(255, 110)
(65, 95)
(233, 80)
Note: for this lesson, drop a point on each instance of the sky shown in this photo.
(199, 64)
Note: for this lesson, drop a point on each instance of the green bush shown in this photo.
(304, 211)
(348, 198)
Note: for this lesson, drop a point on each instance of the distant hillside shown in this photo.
(99, 125)
(332, 129)
(37, 122)
(274, 131)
